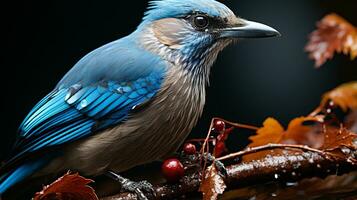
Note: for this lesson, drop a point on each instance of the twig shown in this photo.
(205, 146)
(268, 147)
(238, 125)
(199, 140)
(278, 168)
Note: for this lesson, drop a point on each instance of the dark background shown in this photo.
(250, 81)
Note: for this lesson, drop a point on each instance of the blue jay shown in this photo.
(131, 101)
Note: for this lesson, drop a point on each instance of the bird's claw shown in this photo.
(139, 188)
(218, 164)
(221, 168)
(194, 160)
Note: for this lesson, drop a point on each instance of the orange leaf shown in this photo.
(297, 133)
(213, 184)
(68, 187)
(271, 132)
(344, 96)
(333, 34)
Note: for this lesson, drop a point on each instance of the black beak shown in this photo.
(249, 29)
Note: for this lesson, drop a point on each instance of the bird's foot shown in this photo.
(139, 188)
(194, 161)
(218, 164)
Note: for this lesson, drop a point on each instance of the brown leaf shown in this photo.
(333, 34)
(338, 138)
(212, 184)
(68, 187)
(344, 96)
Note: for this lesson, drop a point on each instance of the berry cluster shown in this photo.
(173, 170)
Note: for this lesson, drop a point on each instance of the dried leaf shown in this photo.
(213, 184)
(271, 132)
(344, 96)
(297, 133)
(338, 138)
(333, 34)
(68, 187)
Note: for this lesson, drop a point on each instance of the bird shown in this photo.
(131, 101)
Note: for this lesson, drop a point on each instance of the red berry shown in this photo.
(173, 170)
(189, 149)
(219, 125)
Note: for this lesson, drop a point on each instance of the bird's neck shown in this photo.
(196, 62)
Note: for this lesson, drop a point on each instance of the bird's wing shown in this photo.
(67, 115)
(97, 93)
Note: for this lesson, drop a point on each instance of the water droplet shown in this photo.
(346, 150)
(318, 166)
(84, 103)
(296, 165)
(213, 142)
(276, 176)
(331, 104)
(253, 198)
(274, 195)
(291, 184)
(293, 173)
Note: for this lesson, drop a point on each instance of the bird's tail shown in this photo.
(19, 174)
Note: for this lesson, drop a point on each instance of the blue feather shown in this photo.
(160, 9)
(57, 123)
(20, 173)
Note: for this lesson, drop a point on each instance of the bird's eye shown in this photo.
(201, 22)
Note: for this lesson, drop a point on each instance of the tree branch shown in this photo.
(278, 168)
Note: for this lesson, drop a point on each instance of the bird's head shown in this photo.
(191, 33)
